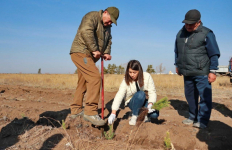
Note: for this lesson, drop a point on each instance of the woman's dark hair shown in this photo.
(134, 65)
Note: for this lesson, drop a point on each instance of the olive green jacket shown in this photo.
(92, 36)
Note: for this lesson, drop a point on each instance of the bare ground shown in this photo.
(31, 118)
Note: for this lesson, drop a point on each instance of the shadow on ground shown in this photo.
(217, 135)
(53, 118)
(109, 105)
(9, 134)
(52, 141)
(222, 109)
(182, 108)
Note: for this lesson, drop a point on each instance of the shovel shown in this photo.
(102, 91)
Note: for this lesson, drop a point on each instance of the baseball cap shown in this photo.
(192, 16)
(114, 14)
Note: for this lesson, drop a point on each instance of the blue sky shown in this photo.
(38, 34)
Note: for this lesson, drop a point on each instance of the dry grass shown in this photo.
(59, 81)
(165, 84)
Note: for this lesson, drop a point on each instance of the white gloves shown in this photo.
(111, 118)
(150, 110)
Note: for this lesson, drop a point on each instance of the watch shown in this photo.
(212, 71)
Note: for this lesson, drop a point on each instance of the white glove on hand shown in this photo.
(150, 110)
(111, 118)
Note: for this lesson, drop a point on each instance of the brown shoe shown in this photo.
(95, 120)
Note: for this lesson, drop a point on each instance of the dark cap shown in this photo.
(114, 14)
(192, 16)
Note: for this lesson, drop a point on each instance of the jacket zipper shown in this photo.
(183, 56)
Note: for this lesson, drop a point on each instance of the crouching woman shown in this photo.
(133, 88)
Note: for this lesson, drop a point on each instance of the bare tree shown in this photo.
(160, 68)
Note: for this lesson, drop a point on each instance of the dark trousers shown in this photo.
(137, 102)
(195, 87)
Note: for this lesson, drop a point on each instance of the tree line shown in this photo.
(114, 69)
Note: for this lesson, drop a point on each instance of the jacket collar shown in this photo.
(100, 14)
(199, 29)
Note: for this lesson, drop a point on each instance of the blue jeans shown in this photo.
(137, 102)
(195, 87)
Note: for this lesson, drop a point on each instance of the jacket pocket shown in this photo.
(202, 62)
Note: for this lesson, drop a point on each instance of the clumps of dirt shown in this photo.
(39, 137)
(39, 134)
(84, 129)
(35, 132)
(3, 90)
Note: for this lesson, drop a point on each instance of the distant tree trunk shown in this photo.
(160, 68)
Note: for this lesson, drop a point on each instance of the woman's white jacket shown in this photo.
(127, 91)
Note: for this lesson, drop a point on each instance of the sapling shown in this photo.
(109, 134)
(161, 104)
(23, 115)
(167, 141)
(63, 125)
(157, 106)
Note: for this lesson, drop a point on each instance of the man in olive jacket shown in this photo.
(196, 58)
(92, 41)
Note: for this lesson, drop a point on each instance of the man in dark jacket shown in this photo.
(93, 40)
(196, 58)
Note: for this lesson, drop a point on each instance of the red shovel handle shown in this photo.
(102, 94)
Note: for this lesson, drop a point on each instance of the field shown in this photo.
(34, 114)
